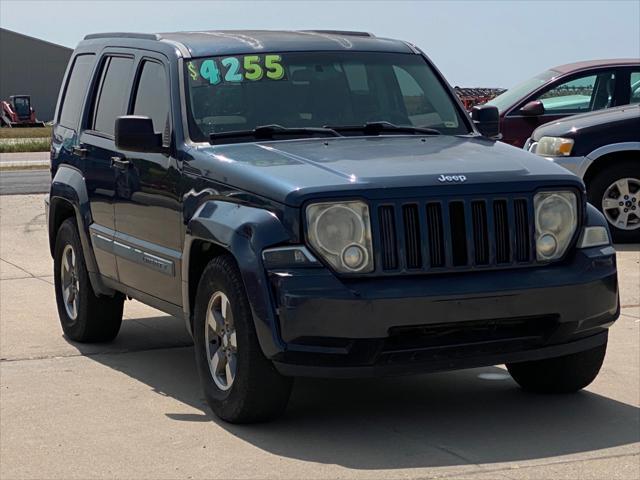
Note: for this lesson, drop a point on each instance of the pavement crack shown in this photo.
(29, 274)
(94, 354)
(18, 267)
(538, 465)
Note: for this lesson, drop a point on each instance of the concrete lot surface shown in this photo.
(134, 409)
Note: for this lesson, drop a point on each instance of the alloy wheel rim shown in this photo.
(220, 340)
(70, 282)
(621, 203)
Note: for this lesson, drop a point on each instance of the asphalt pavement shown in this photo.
(14, 182)
(24, 173)
(133, 408)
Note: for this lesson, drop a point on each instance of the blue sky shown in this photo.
(474, 43)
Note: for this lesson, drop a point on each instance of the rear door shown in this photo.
(148, 208)
(67, 149)
(109, 99)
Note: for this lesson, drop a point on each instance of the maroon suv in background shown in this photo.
(566, 90)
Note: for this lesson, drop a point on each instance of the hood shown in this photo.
(574, 125)
(291, 171)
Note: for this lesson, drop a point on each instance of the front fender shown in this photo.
(596, 218)
(68, 188)
(591, 158)
(243, 231)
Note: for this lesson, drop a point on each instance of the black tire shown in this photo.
(599, 184)
(258, 392)
(98, 318)
(566, 374)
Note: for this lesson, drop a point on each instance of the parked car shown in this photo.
(603, 148)
(316, 204)
(566, 90)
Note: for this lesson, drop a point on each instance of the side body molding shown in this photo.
(68, 186)
(244, 231)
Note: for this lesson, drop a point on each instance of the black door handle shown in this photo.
(119, 162)
(80, 152)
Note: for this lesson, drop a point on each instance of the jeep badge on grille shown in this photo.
(452, 178)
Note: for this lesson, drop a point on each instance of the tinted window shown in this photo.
(152, 95)
(583, 94)
(76, 89)
(113, 93)
(23, 109)
(635, 87)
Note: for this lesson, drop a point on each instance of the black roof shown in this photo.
(224, 42)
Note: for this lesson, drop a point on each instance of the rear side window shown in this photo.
(635, 87)
(113, 94)
(152, 95)
(76, 89)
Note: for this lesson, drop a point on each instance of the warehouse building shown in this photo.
(30, 66)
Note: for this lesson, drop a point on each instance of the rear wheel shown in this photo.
(84, 316)
(566, 374)
(240, 384)
(615, 191)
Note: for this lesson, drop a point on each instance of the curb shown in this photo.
(25, 140)
(24, 165)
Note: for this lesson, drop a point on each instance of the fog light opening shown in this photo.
(547, 245)
(354, 257)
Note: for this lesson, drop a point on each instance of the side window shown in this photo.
(75, 90)
(635, 87)
(112, 94)
(152, 95)
(583, 94)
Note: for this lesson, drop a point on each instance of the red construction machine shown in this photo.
(17, 112)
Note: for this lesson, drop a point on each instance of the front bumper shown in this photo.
(378, 326)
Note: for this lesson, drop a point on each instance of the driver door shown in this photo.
(578, 94)
(147, 204)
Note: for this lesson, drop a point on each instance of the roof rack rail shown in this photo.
(342, 32)
(141, 36)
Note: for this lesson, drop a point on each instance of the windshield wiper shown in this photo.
(376, 128)
(269, 132)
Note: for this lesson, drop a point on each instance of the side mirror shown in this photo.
(135, 133)
(486, 118)
(534, 108)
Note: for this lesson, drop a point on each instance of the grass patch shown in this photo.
(36, 132)
(34, 146)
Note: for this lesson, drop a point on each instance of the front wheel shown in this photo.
(240, 384)
(566, 374)
(615, 191)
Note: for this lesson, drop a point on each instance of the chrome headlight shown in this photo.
(556, 222)
(341, 233)
(554, 147)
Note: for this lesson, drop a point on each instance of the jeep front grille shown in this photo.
(439, 235)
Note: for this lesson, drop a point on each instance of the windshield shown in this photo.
(520, 91)
(314, 89)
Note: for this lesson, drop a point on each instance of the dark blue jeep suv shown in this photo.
(316, 203)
